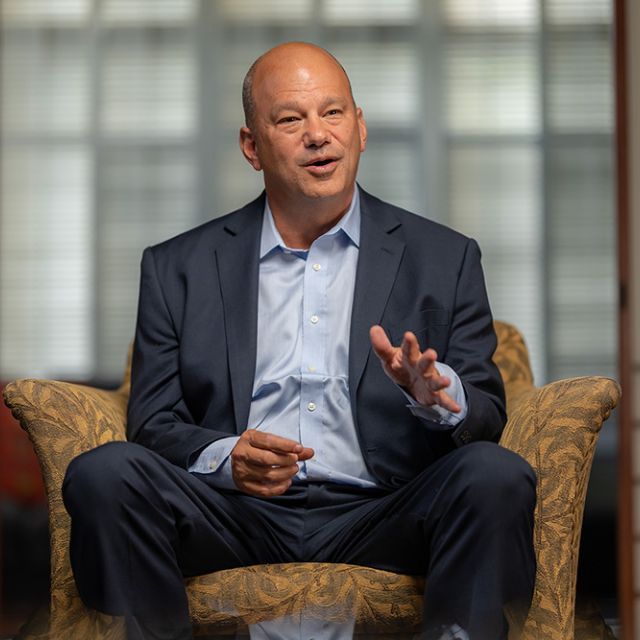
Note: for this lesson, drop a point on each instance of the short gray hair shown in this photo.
(248, 103)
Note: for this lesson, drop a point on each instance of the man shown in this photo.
(270, 432)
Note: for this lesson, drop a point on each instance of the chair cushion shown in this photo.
(378, 600)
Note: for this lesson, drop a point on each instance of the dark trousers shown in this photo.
(141, 524)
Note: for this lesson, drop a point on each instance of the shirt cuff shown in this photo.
(214, 460)
(435, 413)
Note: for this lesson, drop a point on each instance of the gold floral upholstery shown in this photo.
(554, 427)
(512, 358)
(378, 601)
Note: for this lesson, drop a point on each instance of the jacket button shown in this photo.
(465, 436)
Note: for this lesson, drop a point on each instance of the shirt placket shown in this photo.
(314, 340)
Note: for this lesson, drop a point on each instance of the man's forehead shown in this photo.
(297, 66)
(282, 91)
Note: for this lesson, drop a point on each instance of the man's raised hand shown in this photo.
(412, 369)
(264, 464)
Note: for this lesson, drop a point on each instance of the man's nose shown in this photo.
(316, 132)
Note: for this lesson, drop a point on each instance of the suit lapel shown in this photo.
(378, 261)
(238, 263)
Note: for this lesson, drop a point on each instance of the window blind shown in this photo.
(579, 184)
(119, 129)
(530, 150)
(46, 266)
(46, 212)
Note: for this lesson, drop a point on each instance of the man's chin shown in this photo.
(328, 189)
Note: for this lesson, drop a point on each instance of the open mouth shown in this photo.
(320, 163)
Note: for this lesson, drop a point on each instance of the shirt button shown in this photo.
(316, 267)
(312, 369)
(311, 406)
(314, 319)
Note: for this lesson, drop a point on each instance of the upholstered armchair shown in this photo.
(554, 427)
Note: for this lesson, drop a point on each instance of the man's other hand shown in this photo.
(412, 369)
(263, 464)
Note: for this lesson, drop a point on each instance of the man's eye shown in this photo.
(333, 112)
(287, 120)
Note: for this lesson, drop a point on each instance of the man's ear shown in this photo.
(362, 127)
(249, 148)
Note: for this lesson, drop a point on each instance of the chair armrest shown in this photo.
(63, 420)
(555, 428)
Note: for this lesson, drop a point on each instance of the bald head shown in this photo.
(288, 53)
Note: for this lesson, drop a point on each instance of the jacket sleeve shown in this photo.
(472, 342)
(158, 416)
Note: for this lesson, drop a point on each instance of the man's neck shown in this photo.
(301, 223)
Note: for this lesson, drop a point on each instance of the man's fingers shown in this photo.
(272, 442)
(306, 454)
(438, 383)
(262, 458)
(413, 369)
(427, 360)
(447, 402)
(410, 348)
(270, 475)
(264, 464)
(268, 459)
(288, 450)
(264, 490)
(262, 486)
(262, 481)
(380, 343)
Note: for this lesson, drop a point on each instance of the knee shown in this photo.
(493, 476)
(95, 479)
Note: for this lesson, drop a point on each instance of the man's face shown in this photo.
(307, 134)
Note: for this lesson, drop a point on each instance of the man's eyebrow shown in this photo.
(284, 106)
(337, 100)
(292, 105)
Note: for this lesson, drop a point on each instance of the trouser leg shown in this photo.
(140, 524)
(466, 523)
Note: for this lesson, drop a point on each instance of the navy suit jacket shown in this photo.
(195, 346)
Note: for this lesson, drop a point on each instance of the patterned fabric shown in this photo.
(554, 427)
(378, 600)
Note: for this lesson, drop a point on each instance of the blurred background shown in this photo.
(118, 125)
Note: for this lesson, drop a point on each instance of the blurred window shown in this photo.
(119, 124)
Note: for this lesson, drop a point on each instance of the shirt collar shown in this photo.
(349, 224)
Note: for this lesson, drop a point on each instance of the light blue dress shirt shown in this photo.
(301, 384)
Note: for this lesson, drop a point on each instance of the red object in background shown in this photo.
(20, 477)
